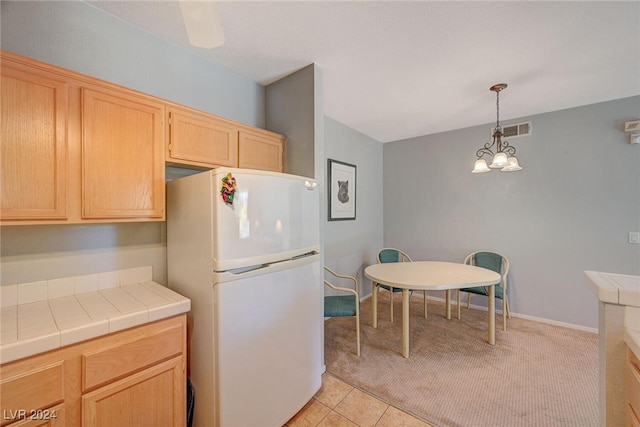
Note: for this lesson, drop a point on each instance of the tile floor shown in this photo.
(338, 404)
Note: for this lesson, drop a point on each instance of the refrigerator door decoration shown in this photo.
(228, 189)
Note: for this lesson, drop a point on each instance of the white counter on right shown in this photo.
(618, 327)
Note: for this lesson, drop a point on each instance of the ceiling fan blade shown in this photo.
(202, 21)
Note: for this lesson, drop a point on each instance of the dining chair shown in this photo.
(495, 262)
(394, 255)
(343, 305)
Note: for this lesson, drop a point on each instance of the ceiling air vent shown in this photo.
(518, 129)
(632, 126)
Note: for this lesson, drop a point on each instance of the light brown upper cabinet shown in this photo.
(33, 143)
(122, 155)
(260, 149)
(199, 139)
(204, 140)
(76, 149)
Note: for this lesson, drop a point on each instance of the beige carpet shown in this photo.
(536, 375)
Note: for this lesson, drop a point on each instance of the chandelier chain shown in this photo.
(498, 109)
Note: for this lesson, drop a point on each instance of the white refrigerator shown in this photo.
(243, 245)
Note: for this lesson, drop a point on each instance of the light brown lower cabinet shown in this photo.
(633, 389)
(151, 397)
(135, 377)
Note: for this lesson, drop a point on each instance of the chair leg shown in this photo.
(374, 304)
(458, 298)
(504, 314)
(391, 304)
(424, 293)
(468, 300)
(447, 304)
(358, 334)
(507, 302)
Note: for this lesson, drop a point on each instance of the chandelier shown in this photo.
(503, 155)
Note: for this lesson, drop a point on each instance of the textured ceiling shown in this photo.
(399, 69)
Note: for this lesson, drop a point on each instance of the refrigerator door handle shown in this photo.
(256, 270)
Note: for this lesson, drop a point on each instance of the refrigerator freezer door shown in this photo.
(268, 336)
(273, 216)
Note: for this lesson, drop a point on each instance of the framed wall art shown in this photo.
(342, 190)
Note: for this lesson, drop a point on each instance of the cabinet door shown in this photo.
(201, 140)
(633, 388)
(122, 156)
(34, 145)
(153, 397)
(260, 150)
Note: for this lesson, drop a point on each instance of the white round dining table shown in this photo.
(431, 276)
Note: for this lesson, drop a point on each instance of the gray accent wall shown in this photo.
(291, 107)
(351, 245)
(569, 210)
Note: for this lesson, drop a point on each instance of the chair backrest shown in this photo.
(393, 255)
(491, 261)
(341, 276)
(337, 305)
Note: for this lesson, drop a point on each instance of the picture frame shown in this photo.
(342, 188)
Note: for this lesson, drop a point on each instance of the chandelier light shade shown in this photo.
(481, 166)
(501, 154)
(513, 165)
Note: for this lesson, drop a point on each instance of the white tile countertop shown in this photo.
(45, 315)
(623, 290)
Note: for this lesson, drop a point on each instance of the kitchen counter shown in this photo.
(45, 315)
(618, 328)
(623, 290)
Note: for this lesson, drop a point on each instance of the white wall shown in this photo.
(31, 253)
(570, 209)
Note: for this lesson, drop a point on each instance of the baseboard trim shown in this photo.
(521, 316)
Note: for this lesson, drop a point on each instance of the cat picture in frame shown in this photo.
(341, 186)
